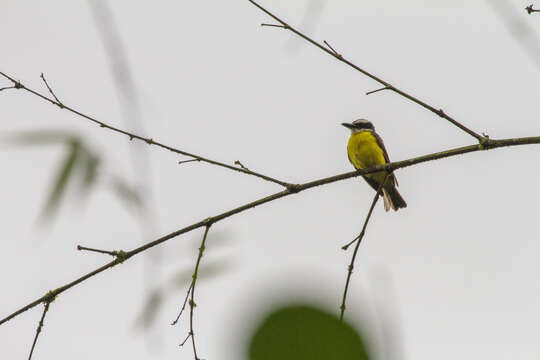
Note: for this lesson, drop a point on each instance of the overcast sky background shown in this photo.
(455, 274)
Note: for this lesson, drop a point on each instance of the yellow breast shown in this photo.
(364, 151)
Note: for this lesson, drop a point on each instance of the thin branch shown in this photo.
(274, 25)
(132, 136)
(374, 91)
(183, 305)
(8, 87)
(359, 240)
(58, 102)
(486, 145)
(185, 340)
(40, 326)
(530, 9)
(192, 303)
(112, 253)
(186, 161)
(331, 48)
(439, 112)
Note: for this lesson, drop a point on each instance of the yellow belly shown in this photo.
(364, 152)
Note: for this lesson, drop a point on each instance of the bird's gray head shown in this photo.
(359, 125)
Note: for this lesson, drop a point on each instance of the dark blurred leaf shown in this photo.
(150, 310)
(128, 194)
(180, 280)
(91, 163)
(206, 271)
(305, 333)
(65, 173)
(39, 137)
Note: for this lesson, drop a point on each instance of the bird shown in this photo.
(366, 149)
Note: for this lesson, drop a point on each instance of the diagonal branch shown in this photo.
(386, 85)
(40, 325)
(358, 240)
(292, 189)
(132, 136)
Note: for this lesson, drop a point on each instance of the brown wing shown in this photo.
(385, 154)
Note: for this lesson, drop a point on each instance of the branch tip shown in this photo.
(186, 161)
(332, 49)
(57, 102)
(377, 90)
(276, 25)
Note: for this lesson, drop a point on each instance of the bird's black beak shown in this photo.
(347, 125)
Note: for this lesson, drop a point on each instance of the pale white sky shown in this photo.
(455, 273)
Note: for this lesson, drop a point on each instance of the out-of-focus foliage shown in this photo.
(79, 167)
(302, 332)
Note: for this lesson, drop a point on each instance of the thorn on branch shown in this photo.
(149, 141)
(58, 102)
(277, 25)
(186, 161)
(336, 54)
(237, 162)
(377, 90)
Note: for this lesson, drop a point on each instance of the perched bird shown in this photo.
(366, 149)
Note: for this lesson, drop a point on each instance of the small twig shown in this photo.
(530, 9)
(8, 87)
(58, 102)
(112, 253)
(40, 326)
(331, 48)
(368, 74)
(183, 305)
(275, 25)
(237, 162)
(359, 239)
(381, 89)
(186, 161)
(186, 339)
(120, 255)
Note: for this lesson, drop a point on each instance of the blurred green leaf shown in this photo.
(206, 271)
(127, 194)
(150, 310)
(91, 164)
(178, 281)
(39, 137)
(65, 172)
(302, 332)
(79, 164)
